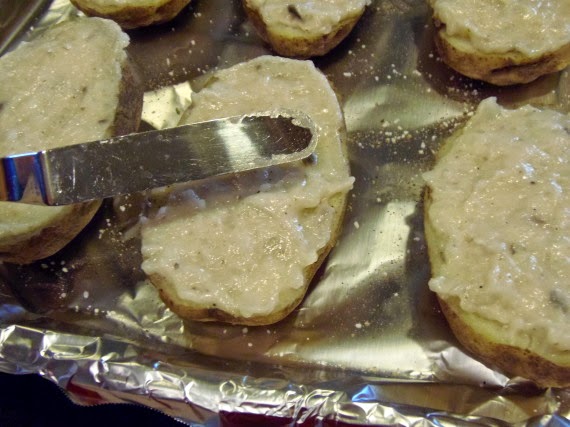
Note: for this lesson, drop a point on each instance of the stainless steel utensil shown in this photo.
(137, 162)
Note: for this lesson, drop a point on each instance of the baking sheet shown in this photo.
(368, 345)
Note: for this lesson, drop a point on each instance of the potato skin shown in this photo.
(514, 360)
(134, 16)
(50, 239)
(499, 69)
(300, 46)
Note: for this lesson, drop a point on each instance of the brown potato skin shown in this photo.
(133, 16)
(50, 239)
(514, 360)
(129, 111)
(301, 47)
(499, 69)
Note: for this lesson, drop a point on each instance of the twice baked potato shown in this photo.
(302, 28)
(72, 84)
(497, 229)
(503, 43)
(243, 249)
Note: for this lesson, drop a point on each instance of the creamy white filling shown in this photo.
(59, 89)
(247, 257)
(242, 244)
(310, 16)
(501, 201)
(531, 27)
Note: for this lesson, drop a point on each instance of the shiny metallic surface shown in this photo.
(368, 345)
(147, 160)
(16, 19)
(22, 178)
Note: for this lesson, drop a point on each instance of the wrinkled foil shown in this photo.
(368, 345)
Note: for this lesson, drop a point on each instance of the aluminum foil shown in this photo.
(368, 345)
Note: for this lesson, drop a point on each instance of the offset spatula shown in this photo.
(141, 161)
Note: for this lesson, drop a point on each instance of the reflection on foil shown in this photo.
(368, 345)
(163, 107)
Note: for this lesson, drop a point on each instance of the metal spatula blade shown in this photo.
(137, 162)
